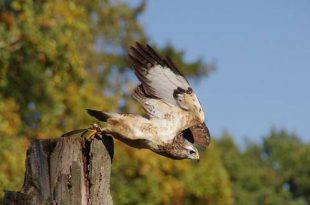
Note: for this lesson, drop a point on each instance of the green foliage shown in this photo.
(152, 179)
(48, 74)
(276, 172)
(208, 182)
(289, 158)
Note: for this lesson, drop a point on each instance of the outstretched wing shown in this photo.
(159, 76)
(198, 134)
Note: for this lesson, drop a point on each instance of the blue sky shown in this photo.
(262, 51)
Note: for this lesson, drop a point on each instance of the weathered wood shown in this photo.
(65, 171)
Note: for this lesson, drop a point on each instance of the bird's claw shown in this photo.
(90, 133)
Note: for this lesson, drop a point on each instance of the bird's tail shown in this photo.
(101, 116)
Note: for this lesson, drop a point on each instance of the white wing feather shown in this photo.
(160, 77)
(164, 82)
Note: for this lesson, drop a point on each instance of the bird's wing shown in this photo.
(159, 76)
(198, 134)
(153, 107)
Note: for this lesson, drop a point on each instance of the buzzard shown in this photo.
(175, 119)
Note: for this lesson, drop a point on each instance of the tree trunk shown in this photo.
(68, 170)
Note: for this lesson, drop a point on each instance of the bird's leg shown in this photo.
(88, 133)
(93, 131)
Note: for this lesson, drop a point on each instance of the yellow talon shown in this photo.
(89, 134)
(93, 131)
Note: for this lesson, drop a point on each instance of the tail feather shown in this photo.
(101, 116)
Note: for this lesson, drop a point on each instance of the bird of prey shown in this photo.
(175, 119)
(181, 147)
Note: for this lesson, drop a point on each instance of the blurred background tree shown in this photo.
(275, 172)
(59, 57)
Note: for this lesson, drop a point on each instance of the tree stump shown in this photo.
(68, 170)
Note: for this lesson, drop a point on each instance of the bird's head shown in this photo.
(186, 150)
(179, 149)
(192, 152)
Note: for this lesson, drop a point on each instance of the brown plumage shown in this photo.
(198, 134)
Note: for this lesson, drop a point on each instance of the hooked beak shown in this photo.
(195, 154)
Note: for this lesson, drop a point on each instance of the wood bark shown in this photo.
(68, 170)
